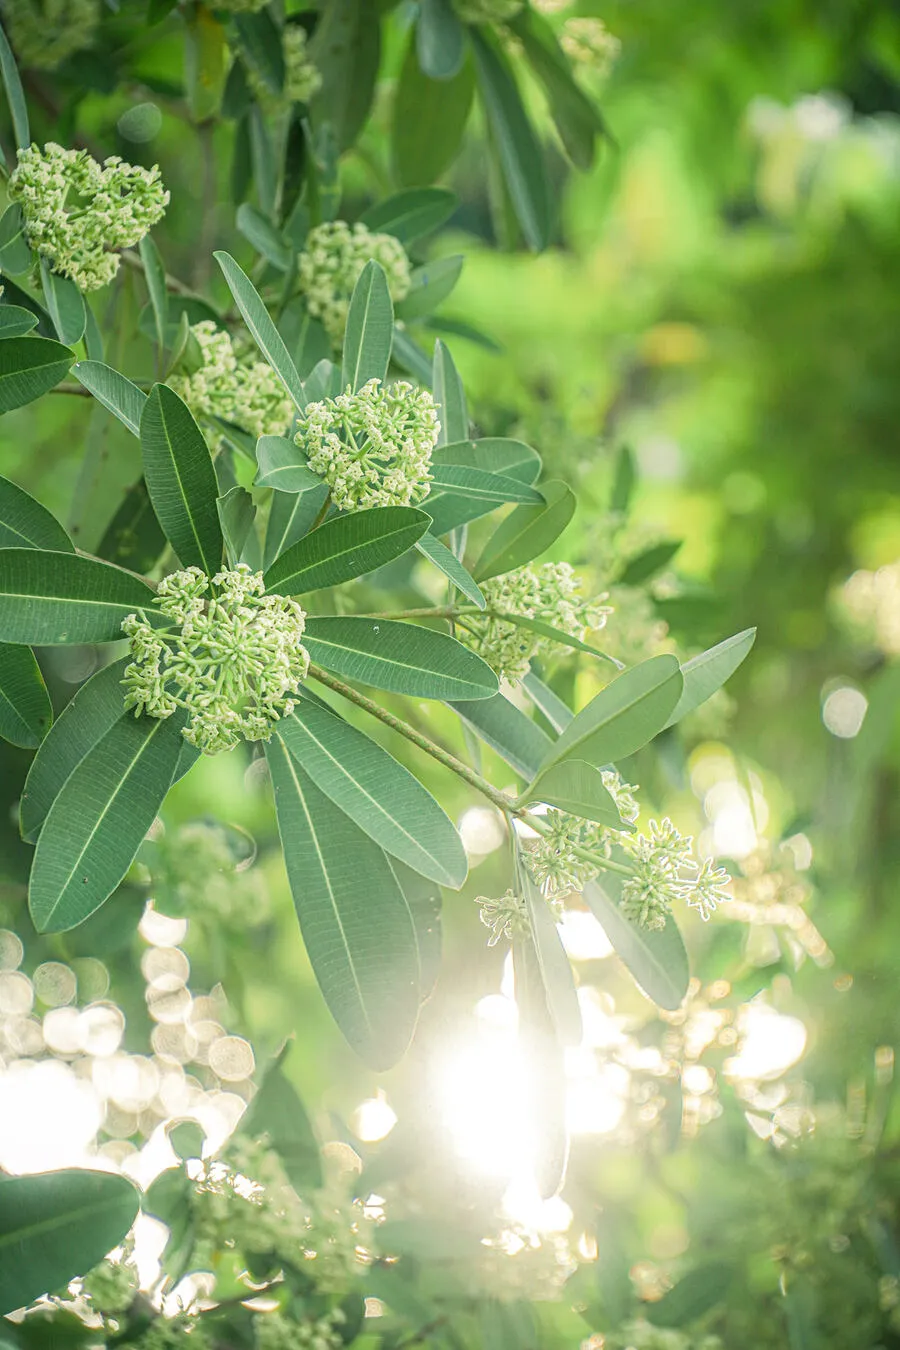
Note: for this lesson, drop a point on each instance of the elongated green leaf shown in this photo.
(656, 958)
(518, 148)
(527, 532)
(693, 1296)
(429, 119)
(545, 1079)
(30, 367)
(451, 567)
(557, 635)
(440, 39)
(262, 329)
(382, 797)
(424, 900)
(346, 547)
(14, 320)
(262, 155)
(261, 45)
(576, 787)
(155, 277)
(51, 598)
(25, 712)
(181, 479)
(98, 821)
(116, 392)
(370, 329)
(16, 256)
(624, 479)
(85, 720)
(556, 972)
(56, 1225)
(706, 673)
(354, 918)
(205, 63)
(259, 231)
(410, 215)
(24, 523)
(399, 657)
(577, 120)
(282, 465)
(290, 516)
(502, 726)
(482, 486)
(430, 286)
(346, 50)
(646, 564)
(628, 713)
(409, 356)
(323, 381)
(543, 698)
(65, 305)
(236, 516)
(278, 1113)
(15, 95)
(493, 454)
(134, 537)
(450, 396)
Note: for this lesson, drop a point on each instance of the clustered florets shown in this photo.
(487, 11)
(373, 448)
(641, 1335)
(47, 32)
(588, 42)
(234, 665)
(302, 78)
(506, 917)
(665, 871)
(274, 1331)
(111, 1286)
(329, 268)
(549, 594)
(79, 212)
(245, 392)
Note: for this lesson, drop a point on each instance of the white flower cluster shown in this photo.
(506, 917)
(549, 594)
(589, 43)
(554, 858)
(373, 448)
(665, 872)
(487, 11)
(233, 665)
(302, 78)
(45, 33)
(330, 265)
(79, 212)
(240, 390)
(274, 1331)
(641, 1335)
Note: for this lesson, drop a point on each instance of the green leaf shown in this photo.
(370, 329)
(527, 532)
(85, 720)
(261, 45)
(24, 523)
(381, 796)
(15, 95)
(277, 1112)
(518, 148)
(259, 231)
(508, 731)
(409, 356)
(694, 1295)
(16, 256)
(155, 277)
(627, 714)
(623, 482)
(262, 329)
(205, 62)
(262, 154)
(493, 454)
(440, 40)
(282, 465)
(30, 367)
(706, 673)
(116, 392)
(399, 657)
(542, 696)
(646, 564)
(656, 958)
(51, 598)
(576, 787)
(410, 215)
(429, 287)
(346, 50)
(236, 516)
(134, 537)
(25, 712)
(14, 320)
(346, 547)
(553, 963)
(428, 119)
(181, 479)
(557, 635)
(577, 120)
(290, 516)
(354, 918)
(450, 397)
(482, 486)
(65, 305)
(424, 899)
(186, 1138)
(56, 1225)
(323, 381)
(449, 564)
(98, 821)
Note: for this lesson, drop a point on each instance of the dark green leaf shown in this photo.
(25, 712)
(259, 231)
(24, 523)
(261, 44)
(16, 256)
(51, 598)
(623, 482)
(116, 392)
(263, 158)
(706, 673)
(429, 119)
(409, 356)
(262, 329)
(646, 564)
(370, 328)
(577, 120)
(502, 726)
(181, 480)
(205, 62)
(283, 465)
(56, 1225)
(30, 367)
(399, 657)
(627, 714)
(410, 215)
(290, 516)
(440, 40)
(440, 323)
(494, 454)
(693, 1296)
(93, 339)
(656, 958)
(481, 485)
(553, 963)
(430, 286)
(278, 1113)
(155, 277)
(15, 96)
(576, 787)
(134, 537)
(346, 49)
(98, 821)
(236, 516)
(449, 564)
(346, 547)
(15, 321)
(527, 532)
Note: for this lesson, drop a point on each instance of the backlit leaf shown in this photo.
(656, 958)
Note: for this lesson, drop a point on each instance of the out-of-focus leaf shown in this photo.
(260, 41)
(205, 62)
(577, 120)
(646, 564)
(545, 1082)
(15, 95)
(553, 963)
(181, 479)
(401, 658)
(346, 49)
(259, 231)
(694, 1294)
(623, 482)
(527, 532)
(411, 214)
(134, 537)
(429, 119)
(440, 40)
(429, 287)
(24, 523)
(25, 712)
(277, 1112)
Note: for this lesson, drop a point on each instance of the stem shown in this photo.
(432, 612)
(595, 859)
(323, 512)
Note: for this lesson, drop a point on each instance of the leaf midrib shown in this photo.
(390, 661)
(343, 552)
(209, 566)
(71, 1216)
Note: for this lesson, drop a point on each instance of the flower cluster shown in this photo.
(79, 212)
(373, 448)
(588, 42)
(245, 392)
(47, 32)
(641, 1335)
(506, 917)
(302, 78)
(665, 871)
(487, 11)
(274, 1331)
(171, 1333)
(330, 265)
(548, 594)
(111, 1286)
(195, 873)
(233, 665)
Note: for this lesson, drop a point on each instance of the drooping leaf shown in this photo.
(116, 392)
(262, 329)
(155, 277)
(14, 320)
(706, 673)
(502, 726)
(647, 563)
(346, 547)
(51, 598)
(656, 958)
(24, 523)
(134, 537)
(181, 479)
(236, 516)
(440, 40)
(553, 963)
(15, 95)
(282, 465)
(370, 329)
(527, 532)
(576, 787)
(493, 454)
(65, 305)
(290, 516)
(577, 120)
(410, 357)
(429, 287)
(411, 214)
(25, 712)
(98, 821)
(542, 696)
(450, 565)
(30, 367)
(382, 797)
(56, 1225)
(346, 50)
(450, 397)
(16, 256)
(354, 918)
(401, 658)
(278, 1113)
(627, 714)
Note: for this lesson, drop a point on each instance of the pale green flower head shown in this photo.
(79, 213)
(373, 448)
(506, 917)
(302, 78)
(45, 33)
(667, 872)
(234, 664)
(233, 386)
(111, 1286)
(331, 263)
(487, 11)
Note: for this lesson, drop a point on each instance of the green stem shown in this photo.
(431, 612)
(323, 512)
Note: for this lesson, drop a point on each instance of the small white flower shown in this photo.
(233, 386)
(329, 268)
